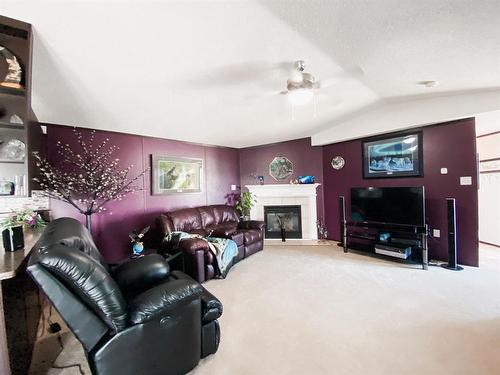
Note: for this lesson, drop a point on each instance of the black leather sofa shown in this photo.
(139, 318)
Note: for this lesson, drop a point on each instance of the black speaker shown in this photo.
(451, 209)
(13, 238)
(342, 219)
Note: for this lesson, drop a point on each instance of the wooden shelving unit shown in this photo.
(16, 36)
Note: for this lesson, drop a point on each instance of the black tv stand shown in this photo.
(366, 236)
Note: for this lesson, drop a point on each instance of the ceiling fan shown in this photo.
(301, 85)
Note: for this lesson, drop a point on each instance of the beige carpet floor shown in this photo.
(316, 310)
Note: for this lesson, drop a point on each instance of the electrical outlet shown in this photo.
(233, 187)
(436, 233)
(444, 170)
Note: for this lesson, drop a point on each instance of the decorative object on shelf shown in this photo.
(13, 238)
(14, 76)
(306, 179)
(20, 185)
(137, 240)
(294, 181)
(384, 237)
(280, 168)
(86, 178)
(338, 162)
(322, 230)
(15, 119)
(12, 150)
(245, 204)
(176, 175)
(26, 217)
(7, 187)
(399, 155)
(12, 228)
(260, 180)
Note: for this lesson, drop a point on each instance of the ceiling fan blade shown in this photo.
(340, 77)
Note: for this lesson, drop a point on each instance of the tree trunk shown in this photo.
(88, 221)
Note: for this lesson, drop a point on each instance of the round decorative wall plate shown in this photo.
(280, 168)
(338, 162)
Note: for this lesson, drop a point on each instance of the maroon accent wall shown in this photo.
(110, 229)
(307, 160)
(451, 145)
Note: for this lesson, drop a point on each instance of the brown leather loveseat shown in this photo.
(217, 221)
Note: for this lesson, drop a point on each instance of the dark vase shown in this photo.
(283, 234)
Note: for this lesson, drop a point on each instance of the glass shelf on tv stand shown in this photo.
(419, 232)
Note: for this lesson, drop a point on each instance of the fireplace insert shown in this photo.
(288, 217)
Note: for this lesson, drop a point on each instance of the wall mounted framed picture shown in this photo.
(173, 175)
(280, 168)
(397, 155)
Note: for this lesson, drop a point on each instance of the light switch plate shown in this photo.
(466, 180)
(444, 170)
(233, 187)
(436, 233)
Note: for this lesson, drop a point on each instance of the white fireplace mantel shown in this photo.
(303, 195)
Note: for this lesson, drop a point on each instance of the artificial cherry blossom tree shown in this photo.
(86, 178)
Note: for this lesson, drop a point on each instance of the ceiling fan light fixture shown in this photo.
(300, 96)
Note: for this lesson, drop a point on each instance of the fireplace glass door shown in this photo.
(287, 217)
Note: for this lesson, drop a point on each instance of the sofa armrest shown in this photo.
(192, 245)
(211, 307)
(162, 299)
(251, 224)
(140, 274)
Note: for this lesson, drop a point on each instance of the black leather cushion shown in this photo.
(252, 235)
(89, 280)
(211, 307)
(140, 274)
(163, 298)
(70, 232)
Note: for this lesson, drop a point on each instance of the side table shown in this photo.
(175, 259)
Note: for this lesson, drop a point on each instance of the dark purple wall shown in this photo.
(307, 160)
(451, 145)
(110, 229)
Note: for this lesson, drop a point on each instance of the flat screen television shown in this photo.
(389, 205)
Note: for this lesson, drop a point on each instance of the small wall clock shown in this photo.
(338, 162)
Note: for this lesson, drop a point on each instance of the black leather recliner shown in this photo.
(139, 318)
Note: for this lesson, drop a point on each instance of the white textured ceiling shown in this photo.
(201, 71)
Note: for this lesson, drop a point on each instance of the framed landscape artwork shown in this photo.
(172, 175)
(397, 156)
